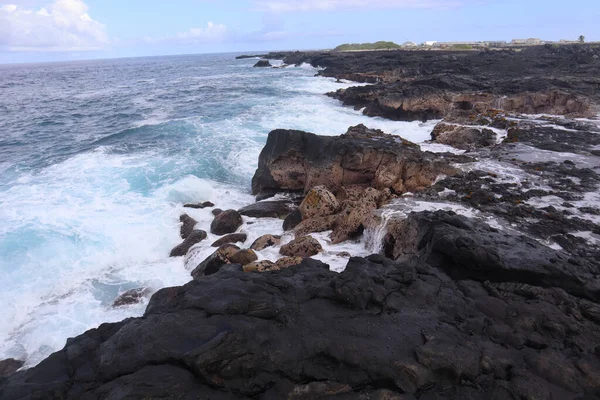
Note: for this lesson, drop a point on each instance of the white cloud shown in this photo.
(212, 33)
(332, 5)
(63, 25)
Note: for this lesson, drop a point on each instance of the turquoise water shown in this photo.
(96, 159)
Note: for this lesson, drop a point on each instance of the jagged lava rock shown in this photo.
(407, 327)
(226, 222)
(296, 160)
(468, 249)
(194, 238)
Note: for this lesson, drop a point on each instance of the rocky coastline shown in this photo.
(486, 279)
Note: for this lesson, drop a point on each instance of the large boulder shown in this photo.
(296, 160)
(268, 209)
(304, 247)
(226, 222)
(194, 238)
(319, 202)
(351, 218)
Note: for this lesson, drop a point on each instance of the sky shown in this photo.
(56, 30)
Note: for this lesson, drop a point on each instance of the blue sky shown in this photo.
(50, 30)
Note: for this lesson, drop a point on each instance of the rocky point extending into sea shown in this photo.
(497, 299)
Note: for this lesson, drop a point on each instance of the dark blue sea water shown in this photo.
(96, 159)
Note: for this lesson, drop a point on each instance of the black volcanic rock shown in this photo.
(422, 85)
(467, 249)
(379, 329)
(226, 222)
(263, 64)
(268, 209)
(295, 160)
(195, 237)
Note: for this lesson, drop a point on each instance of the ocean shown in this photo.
(97, 159)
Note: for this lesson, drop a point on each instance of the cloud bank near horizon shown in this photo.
(63, 25)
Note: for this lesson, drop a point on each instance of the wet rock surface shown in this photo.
(226, 222)
(132, 296)
(414, 331)
(231, 238)
(305, 246)
(195, 237)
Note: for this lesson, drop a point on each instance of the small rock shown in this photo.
(304, 247)
(187, 227)
(10, 366)
(287, 262)
(319, 202)
(206, 204)
(195, 237)
(243, 257)
(215, 261)
(292, 220)
(265, 241)
(344, 254)
(216, 211)
(226, 222)
(232, 238)
(261, 266)
(262, 64)
(132, 296)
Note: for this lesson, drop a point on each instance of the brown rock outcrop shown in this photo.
(296, 160)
